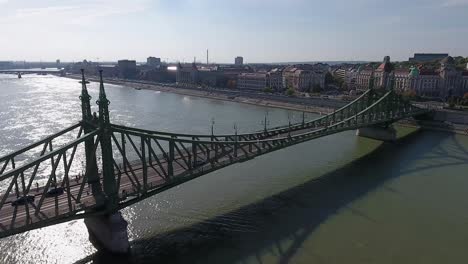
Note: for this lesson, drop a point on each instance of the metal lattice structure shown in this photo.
(122, 165)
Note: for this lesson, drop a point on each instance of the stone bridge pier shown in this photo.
(387, 133)
(109, 232)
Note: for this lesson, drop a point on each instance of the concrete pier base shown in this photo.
(378, 133)
(109, 232)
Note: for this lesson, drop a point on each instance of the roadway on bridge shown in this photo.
(192, 158)
(61, 206)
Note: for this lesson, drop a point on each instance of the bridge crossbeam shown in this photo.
(139, 163)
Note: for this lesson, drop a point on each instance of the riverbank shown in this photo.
(224, 96)
(461, 129)
(435, 126)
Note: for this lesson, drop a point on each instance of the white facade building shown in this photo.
(440, 83)
(252, 81)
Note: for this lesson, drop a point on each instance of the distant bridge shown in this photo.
(33, 71)
(124, 165)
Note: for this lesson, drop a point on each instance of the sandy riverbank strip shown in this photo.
(463, 130)
(216, 96)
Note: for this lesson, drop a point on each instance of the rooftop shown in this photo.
(253, 75)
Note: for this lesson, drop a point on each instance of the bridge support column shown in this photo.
(109, 232)
(378, 133)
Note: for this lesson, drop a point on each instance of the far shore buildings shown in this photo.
(239, 61)
(300, 77)
(426, 57)
(275, 79)
(187, 74)
(210, 75)
(303, 77)
(6, 65)
(444, 82)
(153, 61)
(252, 81)
(127, 69)
(159, 73)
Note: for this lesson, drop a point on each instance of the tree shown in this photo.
(267, 90)
(465, 99)
(409, 95)
(452, 101)
(329, 79)
(290, 91)
(344, 87)
(316, 88)
(460, 62)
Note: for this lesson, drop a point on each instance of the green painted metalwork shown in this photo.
(144, 163)
(109, 181)
(85, 99)
(163, 161)
(90, 156)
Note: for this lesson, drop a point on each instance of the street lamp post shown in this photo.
(212, 127)
(289, 124)
(235, 139)
(265, 122)
(212, 131)
(303, 118)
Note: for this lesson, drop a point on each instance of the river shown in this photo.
(337, 199)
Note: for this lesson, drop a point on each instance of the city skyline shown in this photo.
(286, 31)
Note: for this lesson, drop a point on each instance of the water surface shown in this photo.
(337, 199)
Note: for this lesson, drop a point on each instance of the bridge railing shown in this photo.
(350, 109)
(145, 162)
(55, 171)
(39, 148)
(165, 157)
(169, 156)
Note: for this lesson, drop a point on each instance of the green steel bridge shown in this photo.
(40, 184)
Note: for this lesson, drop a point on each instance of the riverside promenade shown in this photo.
(447, 121)
(301, 104)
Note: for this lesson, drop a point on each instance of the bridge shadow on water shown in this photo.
(292, 215)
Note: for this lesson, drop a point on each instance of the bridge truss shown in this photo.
(107, 167)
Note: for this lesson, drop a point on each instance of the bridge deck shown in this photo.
(152, 172)
(56, 207)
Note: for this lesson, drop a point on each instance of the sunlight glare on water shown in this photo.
(337, 199)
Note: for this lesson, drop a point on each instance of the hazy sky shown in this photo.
(259, 30)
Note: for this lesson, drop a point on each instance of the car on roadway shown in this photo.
(23, 200)
(54, 192)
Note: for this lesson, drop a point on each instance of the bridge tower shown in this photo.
(384, 132)
(109, 182)
(108, 231)
(91, 164)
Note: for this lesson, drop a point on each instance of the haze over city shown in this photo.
(259, 30)
(233, 131)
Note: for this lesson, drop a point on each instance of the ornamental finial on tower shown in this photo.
(103, 103)
(85, 98)
(83, 80)
(102, 91)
